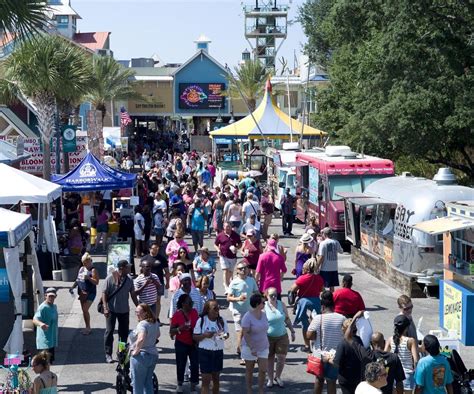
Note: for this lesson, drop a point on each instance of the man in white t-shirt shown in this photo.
(327, 259)
(250, 207)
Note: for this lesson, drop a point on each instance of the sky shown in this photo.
(141, 28)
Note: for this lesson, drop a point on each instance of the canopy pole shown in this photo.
(229, 72)
(61, 209)
(289, 106)
(304, 108)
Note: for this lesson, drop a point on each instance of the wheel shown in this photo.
(155, 384)
(120, 385)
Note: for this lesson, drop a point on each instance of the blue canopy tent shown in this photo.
(92, 175)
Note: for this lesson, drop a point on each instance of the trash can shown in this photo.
(101, 267)
(69, 267)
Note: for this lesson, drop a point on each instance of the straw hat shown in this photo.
(306, 238)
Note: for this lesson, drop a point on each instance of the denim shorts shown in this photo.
(330, 371)
(331, 278)
(409, 382)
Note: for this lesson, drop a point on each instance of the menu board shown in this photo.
(313, 185)
(201, 96)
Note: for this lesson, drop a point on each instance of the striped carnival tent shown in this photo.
(274, 123)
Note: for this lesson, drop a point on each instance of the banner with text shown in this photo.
(34, 164)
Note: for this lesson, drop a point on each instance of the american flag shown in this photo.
(125, 118)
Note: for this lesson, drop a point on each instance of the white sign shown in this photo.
(34, 164)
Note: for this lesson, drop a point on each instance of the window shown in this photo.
(356, 184)
(293, 99)
(62, 20)
(464, 244)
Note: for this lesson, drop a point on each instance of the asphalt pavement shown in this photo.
(81, 366)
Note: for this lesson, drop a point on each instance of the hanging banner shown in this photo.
(34, 164)
(68, 134)
(4, 286)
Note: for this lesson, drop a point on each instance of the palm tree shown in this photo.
(250, 80)
(111, 81)
(22, 17)
(47, 70)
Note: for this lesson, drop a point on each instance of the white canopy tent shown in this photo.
(21, 186)
(14, 228)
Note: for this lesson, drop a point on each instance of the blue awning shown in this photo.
(91, 175)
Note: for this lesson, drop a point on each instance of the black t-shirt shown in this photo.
(395, 369)
(351, 358)
(159, 265)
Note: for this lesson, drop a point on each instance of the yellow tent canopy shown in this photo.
(273, 122)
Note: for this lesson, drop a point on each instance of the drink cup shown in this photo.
(233, 249)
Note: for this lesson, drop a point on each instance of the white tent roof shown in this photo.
(15, 226)
(20, 186)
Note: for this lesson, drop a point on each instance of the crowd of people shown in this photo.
(178, 196)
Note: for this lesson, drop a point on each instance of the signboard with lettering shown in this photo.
(452, 307)
(4, 286)
(68, 134)
(34, 164)
(201, 96)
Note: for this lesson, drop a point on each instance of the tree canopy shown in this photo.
(401, 76)
(250, 80)
(22, 17)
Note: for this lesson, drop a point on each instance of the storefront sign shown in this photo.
(68, 134)
(452, 307)
(201, 96)
(34, 164)
(4, 286)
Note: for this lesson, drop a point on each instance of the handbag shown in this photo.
(315, 365)
(100, 304)
(291, 297)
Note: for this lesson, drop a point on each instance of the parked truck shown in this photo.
(322, 173)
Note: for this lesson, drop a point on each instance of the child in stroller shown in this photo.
(123, 382)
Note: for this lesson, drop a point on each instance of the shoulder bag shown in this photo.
(315, 364)
(100, 305)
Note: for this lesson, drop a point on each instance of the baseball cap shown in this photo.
(272, 244)
(50, 291)
(184, 276)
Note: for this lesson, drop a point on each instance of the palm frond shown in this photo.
(22, 17)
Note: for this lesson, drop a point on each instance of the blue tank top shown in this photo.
(276, 320)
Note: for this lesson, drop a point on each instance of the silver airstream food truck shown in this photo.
(378, 223)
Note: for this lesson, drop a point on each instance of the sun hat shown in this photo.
(306, 238)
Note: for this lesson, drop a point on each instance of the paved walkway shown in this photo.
(80, 359)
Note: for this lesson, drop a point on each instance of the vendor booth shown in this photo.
(19, 278)
(90, 176)
(456, 302)
(274, 128)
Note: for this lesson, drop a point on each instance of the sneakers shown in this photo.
(279, 382)
(269, 383)
(179, 388)
(109, 359)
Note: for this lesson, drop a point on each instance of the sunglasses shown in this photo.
(216, 308)
(241, 268)
(272, 295)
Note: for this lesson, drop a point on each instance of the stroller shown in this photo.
(461, 376)
(123, 382)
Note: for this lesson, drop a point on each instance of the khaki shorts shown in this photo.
(278, 345)
(227, 263)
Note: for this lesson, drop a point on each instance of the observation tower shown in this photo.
(266, 25)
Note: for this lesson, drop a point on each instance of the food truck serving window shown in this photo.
(355, 184)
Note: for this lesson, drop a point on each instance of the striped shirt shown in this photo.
(149, 294)
(195, 296)
(332, 331)
(404, 354)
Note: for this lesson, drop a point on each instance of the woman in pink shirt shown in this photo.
(270, 268)
(173, 247)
